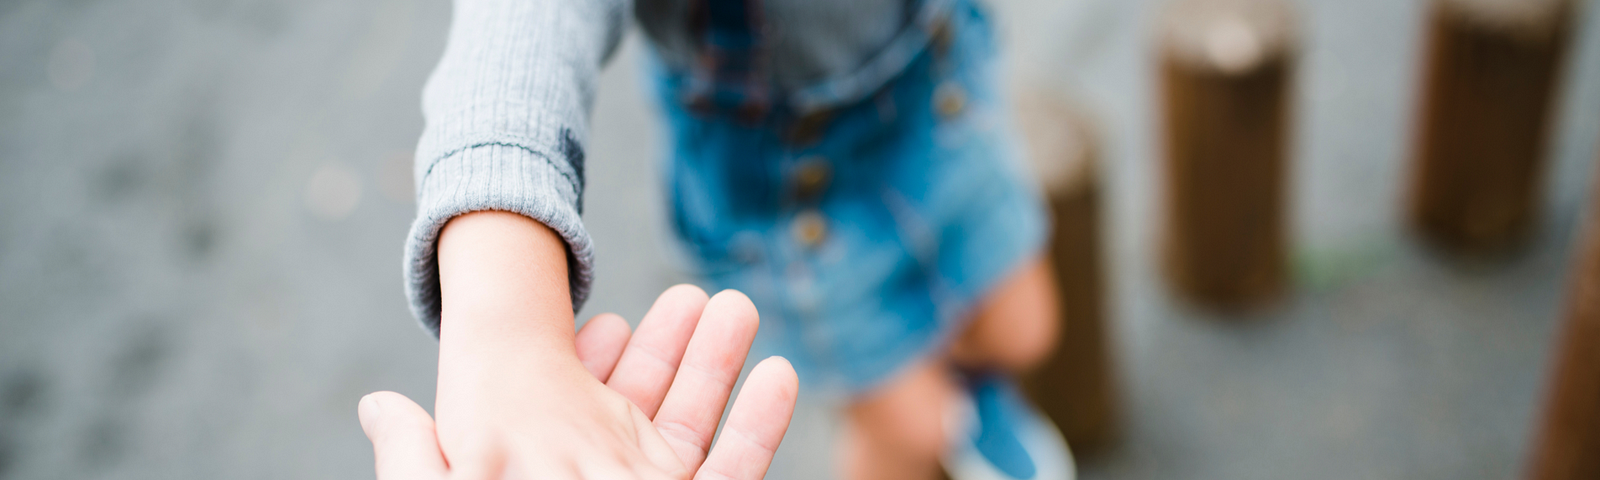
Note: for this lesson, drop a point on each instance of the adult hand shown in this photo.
(643, 405)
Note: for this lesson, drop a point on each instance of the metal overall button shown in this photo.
(809, 228)
(949, 99)
(808, 129)
(810, 178)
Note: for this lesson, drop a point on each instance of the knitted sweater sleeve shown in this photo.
(507, 113)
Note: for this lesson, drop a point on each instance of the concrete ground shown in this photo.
(202, 205)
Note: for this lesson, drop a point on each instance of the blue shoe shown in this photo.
(1004, 438)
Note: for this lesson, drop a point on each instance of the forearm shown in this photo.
(503, 280)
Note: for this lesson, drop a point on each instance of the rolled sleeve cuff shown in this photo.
(493, 177)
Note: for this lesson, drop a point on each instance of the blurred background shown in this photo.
(203, 202)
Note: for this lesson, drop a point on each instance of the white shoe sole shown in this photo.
(967, 463)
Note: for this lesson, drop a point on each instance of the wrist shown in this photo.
(504, 293)
(479, 363)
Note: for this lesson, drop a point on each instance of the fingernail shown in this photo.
(368, 409)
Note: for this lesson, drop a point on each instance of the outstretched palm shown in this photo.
(649, 410)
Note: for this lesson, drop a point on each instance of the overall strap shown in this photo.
(730, 72)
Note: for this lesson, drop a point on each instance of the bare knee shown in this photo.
(1025, 348)
(903, 422)
(1016, 326)
(1025, 352)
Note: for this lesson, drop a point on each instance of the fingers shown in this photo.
(689, 414)
(651, 358)
(600, 343)
(403, 439)
(756, 425)
(484, 464)
(655, 448)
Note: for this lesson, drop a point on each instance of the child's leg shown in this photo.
(1015, 326)
(897, 432)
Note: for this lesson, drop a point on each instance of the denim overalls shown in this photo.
(864, 233)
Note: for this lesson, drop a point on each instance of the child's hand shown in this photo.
(655, 419)
(521, 396)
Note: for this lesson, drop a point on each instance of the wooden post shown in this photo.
(1484, 120)
(1075, 386)
(1227, 69)
(1568, 443)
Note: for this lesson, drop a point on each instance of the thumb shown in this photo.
(403, 440)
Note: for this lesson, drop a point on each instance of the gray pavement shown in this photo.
(202, 205)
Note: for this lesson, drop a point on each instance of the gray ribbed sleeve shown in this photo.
(507, 112)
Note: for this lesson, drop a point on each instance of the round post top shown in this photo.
(1231, 37)
(1530, 19)
(1060, 140)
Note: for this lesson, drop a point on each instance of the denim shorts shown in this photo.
(864, 233)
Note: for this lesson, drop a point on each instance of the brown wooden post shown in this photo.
(1227, 74)
(1484, 120)
(1075, 386)
(1568, 443)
